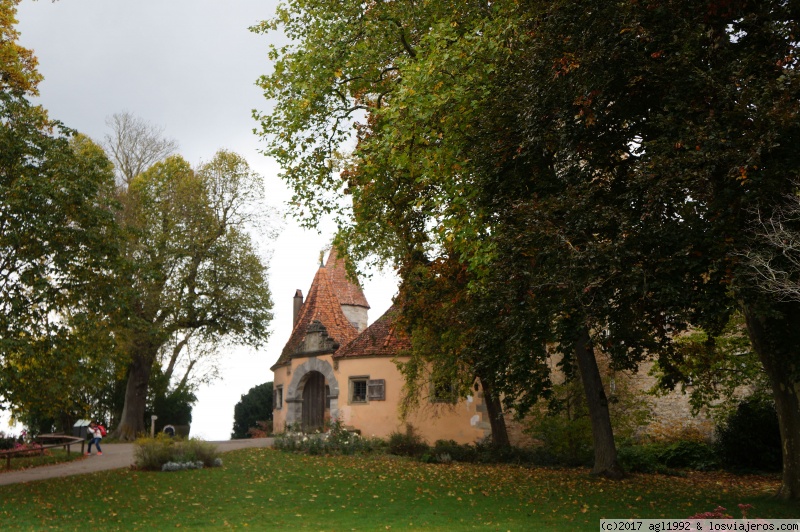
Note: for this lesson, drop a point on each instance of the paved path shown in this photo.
(115, 456)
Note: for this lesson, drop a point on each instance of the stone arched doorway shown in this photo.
(309, 375)
(314, 402)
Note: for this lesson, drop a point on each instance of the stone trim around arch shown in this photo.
(294, 394)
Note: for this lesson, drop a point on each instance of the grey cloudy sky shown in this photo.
(189, 66)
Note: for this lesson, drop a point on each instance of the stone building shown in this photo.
(336, 367)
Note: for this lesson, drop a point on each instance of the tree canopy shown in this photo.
(606, 160)
(57, 243)
(190, 266)
(255, 405)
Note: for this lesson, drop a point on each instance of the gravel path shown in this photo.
(115, 456)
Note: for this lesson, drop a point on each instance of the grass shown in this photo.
(53, 456)
(266, 489)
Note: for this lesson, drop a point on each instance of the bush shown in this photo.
(337, 440)
(407, 444)
(454, 451)
(567, 440)
(151, 454)
(664, 458)
(263, 429)
(696, 455)
(749, 438)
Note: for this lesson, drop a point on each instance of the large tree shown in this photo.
(672, 126)
(57, 243)
(423, 75)
(191, 267)
(617, 154)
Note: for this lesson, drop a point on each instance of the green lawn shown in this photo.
(266, 489)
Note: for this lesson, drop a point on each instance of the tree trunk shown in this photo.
(605, 451)
(132, 420)
(495, 412)
(775, 337)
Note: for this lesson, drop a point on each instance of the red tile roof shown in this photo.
(382, 338)
(348, 292)
(323, 304)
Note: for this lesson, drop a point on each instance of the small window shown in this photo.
(278, 397)
(443, 392)
(376, 389)
(358, 389)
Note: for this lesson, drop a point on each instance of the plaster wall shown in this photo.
(464, 422)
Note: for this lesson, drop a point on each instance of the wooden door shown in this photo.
(314, 402)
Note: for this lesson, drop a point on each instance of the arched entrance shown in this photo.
(307, 376)
(314, 402)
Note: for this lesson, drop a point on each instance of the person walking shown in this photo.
(97, 435)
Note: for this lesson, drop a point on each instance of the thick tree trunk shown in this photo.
(495, 412)
(605, 451)
(132, 420)
(775, 337)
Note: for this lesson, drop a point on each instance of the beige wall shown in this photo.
(464, 422)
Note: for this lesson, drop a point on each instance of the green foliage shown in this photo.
(174, 408)
(192, 271)
(337, 440)
(58, 243)
(254, 406)
(749, 438)
(713, 369)
(150, 454)
(579, 165)
(564, 429)
(407, 443)
(665, 458)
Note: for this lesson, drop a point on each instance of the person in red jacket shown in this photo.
(97, 435)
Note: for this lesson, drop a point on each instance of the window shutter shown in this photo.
(376, 389)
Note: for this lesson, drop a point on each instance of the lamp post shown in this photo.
(153, 426)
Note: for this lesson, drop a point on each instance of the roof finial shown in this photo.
(321, 257)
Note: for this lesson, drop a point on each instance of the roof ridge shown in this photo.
(321, 305)
(347, 291)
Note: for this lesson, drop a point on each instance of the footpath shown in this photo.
(115, 456)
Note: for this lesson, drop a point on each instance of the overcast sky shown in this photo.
(189, 66)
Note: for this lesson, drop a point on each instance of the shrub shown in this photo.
(263, 429)
(407, 444)
(152, 453)
(690, 454)
(567, 440)
(749, 438)
(337, 440)
(665, 457)
(454, 451)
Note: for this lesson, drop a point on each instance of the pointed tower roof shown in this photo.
(348, 292)
(384, 338)
(321, 312)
